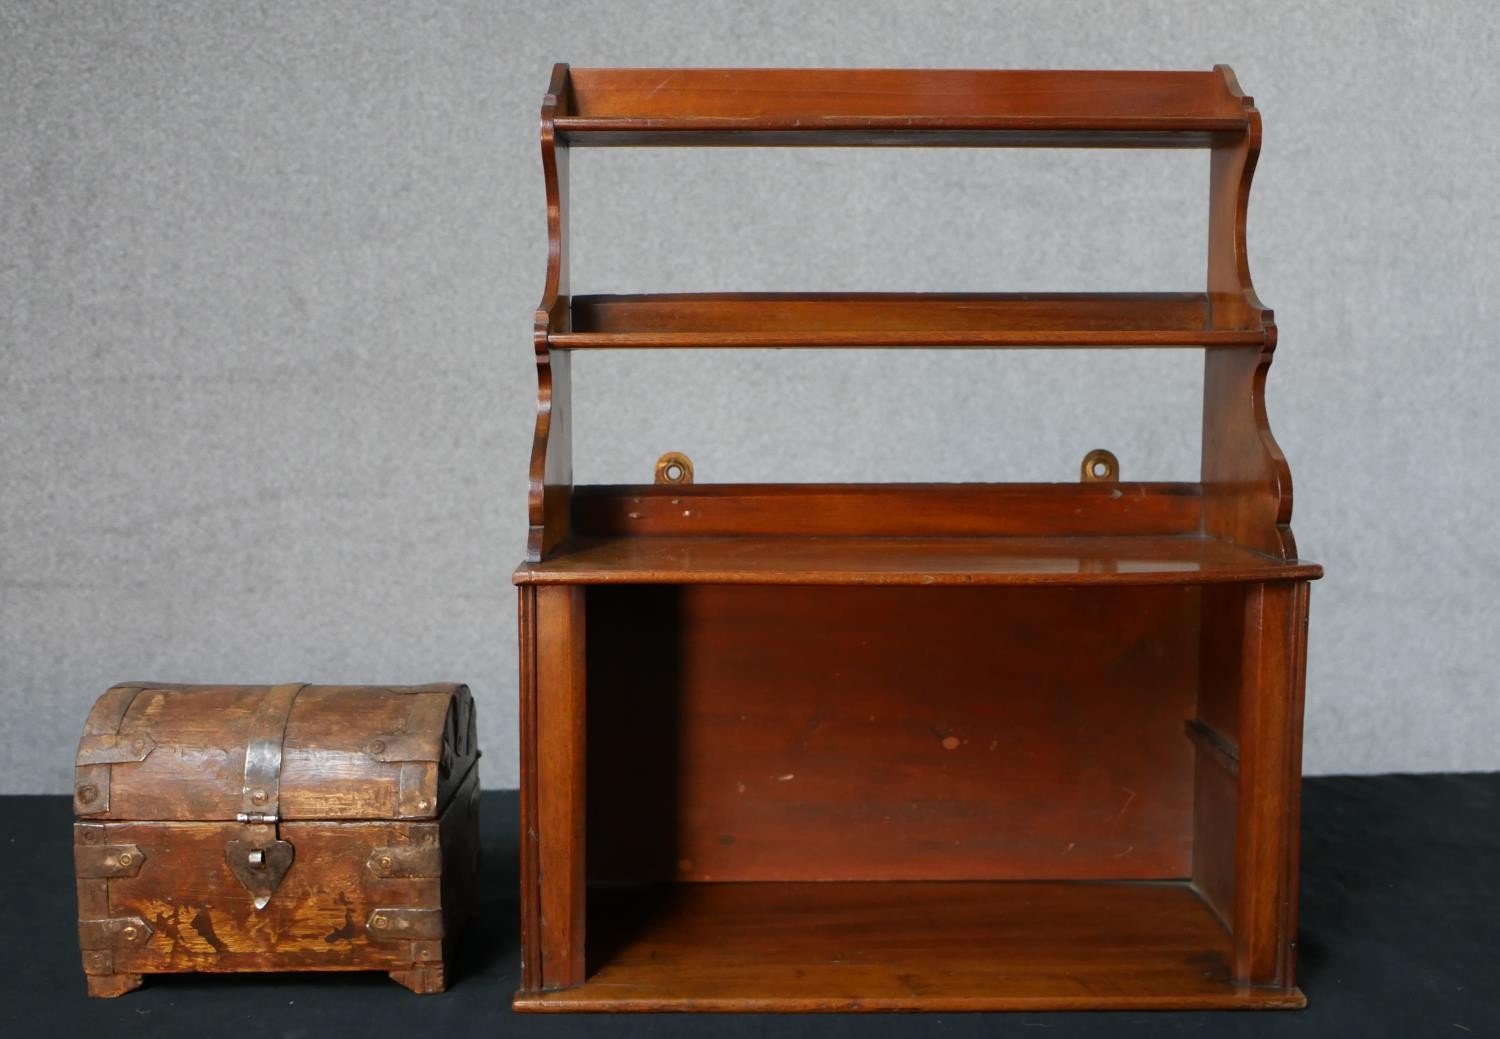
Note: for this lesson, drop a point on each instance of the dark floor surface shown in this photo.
(1400, 937)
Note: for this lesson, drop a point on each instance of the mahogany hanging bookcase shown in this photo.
(913, 746)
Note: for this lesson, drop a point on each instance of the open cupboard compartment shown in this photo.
(913, 746)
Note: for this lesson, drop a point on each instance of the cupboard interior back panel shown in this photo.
(863, 733)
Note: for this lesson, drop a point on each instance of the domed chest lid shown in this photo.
(274, 753)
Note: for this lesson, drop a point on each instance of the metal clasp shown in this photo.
(259, 858)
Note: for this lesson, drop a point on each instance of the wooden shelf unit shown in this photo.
(913, 746)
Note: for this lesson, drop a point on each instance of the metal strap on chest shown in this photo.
(259, 858)
(260, 800)
(103, 745)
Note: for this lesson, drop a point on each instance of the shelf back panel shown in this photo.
(890, 734)
(888, 510)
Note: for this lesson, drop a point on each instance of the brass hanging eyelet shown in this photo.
(1099, 466)
(674, 467)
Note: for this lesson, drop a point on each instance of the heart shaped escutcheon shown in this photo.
(259, 865)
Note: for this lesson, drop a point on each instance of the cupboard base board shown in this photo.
(935, 946)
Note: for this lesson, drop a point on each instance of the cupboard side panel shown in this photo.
(559, 784)
(1269, 805)
(1215, 733)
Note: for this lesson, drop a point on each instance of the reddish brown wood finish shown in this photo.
(895, 106)
(915, 946)
(1265, 906)
(757, 319)
(551, 475)
(560, 725)
(1039, 744)
(892, 510)
(1216, 769)
(890, 733)
(1247, 484)
(530, 840)
(378, 798)
(908, 561)
(1215, 734)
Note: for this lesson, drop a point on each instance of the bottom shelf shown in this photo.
(949, 946)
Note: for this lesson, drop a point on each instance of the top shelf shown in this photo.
(862, 107)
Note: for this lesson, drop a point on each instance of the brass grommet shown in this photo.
(674, 467)
(1099, 466)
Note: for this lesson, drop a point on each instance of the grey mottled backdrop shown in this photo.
(267, 274)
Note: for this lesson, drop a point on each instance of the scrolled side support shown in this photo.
(549, 497)
(1247, 484)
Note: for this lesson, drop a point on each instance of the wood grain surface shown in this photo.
(890, 733)
(908, 561)
(755, 319)
(1037, 744)
(895, 106)
(368, 801)
(196, 771)
(917, 946)
(888, 509)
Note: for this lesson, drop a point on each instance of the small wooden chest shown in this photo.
(275, 828)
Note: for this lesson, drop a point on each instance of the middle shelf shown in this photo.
(885, 319)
